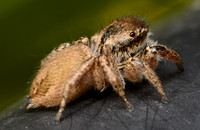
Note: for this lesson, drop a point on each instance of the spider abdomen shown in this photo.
(48, 86)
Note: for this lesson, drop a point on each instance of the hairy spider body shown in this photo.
(121, 50)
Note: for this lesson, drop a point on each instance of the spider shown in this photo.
(122, 50)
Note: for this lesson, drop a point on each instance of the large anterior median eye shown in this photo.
(132, 34)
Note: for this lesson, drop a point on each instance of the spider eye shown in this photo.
(132, 34)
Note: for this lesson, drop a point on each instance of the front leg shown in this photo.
(154, 53)
(135, 68)
(112, 73)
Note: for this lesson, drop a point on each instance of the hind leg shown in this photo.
(72, 82)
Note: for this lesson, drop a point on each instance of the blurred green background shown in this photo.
(30, 29)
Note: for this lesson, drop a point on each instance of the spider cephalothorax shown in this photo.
(121, 50)
(126, 37)
(126, 32)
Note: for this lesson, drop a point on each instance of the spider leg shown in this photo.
(135, 67)
(151, 52)
(112, 73)
(72, 82)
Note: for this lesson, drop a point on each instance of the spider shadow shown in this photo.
(86, 101)
(167, 71)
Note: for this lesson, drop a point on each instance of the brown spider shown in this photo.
(121, 50)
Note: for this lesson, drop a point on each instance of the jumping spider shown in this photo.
(122, 50)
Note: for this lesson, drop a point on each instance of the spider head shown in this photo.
(125, 33)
